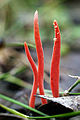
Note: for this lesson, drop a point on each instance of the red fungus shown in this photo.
(54, 74)
(38, 74)
(35, 84)
(40, 55)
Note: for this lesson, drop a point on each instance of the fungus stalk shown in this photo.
(54, 74)
(40, 56)
(35, 83)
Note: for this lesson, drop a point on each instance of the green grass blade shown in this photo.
(13, 111)
(23, 105)
(17, 71)
(74, 93)
(20, 104)
(61, 93)
(17, 81)
(19, 45)
(72, 114)
(12, 79)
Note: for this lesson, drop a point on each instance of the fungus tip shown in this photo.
(55, 22)
(24, 43)
(36, 14)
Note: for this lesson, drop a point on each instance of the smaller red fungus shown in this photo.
(54, 74)
(35, 83)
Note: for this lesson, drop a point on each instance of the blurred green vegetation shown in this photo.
(16, 20)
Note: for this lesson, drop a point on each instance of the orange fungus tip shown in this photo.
(55, 22)
(36, 15)
(36, 12)
(24, 43)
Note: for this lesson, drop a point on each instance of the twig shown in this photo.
(75, 84)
